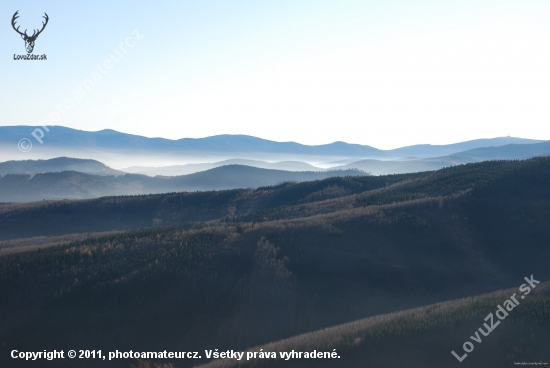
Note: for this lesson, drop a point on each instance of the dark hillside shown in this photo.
(127, 212)
(395, 340)
(78, 185)
(326, 256)
(235, 284)
(277, 202)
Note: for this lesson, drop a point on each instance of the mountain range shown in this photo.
(372, 166)
(79, 185)
(59, 164)
(175, 170)
(120, 150)
(246, 165)
(387, 271)
(505, 152)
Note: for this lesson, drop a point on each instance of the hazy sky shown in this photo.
(382, 73)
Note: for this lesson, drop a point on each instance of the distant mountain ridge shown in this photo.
(372, 166)
(58, 164)
(175, 170)
(506, 152)
(110, 146)
(76, 185)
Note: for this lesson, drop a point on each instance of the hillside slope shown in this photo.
(397, 339)
(279, 261)
(77, 185)
(33, 167)
(175, 170)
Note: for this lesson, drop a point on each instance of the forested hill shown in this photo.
(240, 268)
(33, 167)
(78, 185)
(391, 339)
(482, 180)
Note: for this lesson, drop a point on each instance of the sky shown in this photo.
(381, 73)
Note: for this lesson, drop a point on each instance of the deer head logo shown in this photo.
(29, 40)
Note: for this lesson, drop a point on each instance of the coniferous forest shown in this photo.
(377, 267)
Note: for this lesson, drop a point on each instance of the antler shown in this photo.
(43, 25)
(35, 33)
(15, 16)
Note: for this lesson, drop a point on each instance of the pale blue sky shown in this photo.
(383, 73)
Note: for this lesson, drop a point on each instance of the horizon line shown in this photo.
(266, 139)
